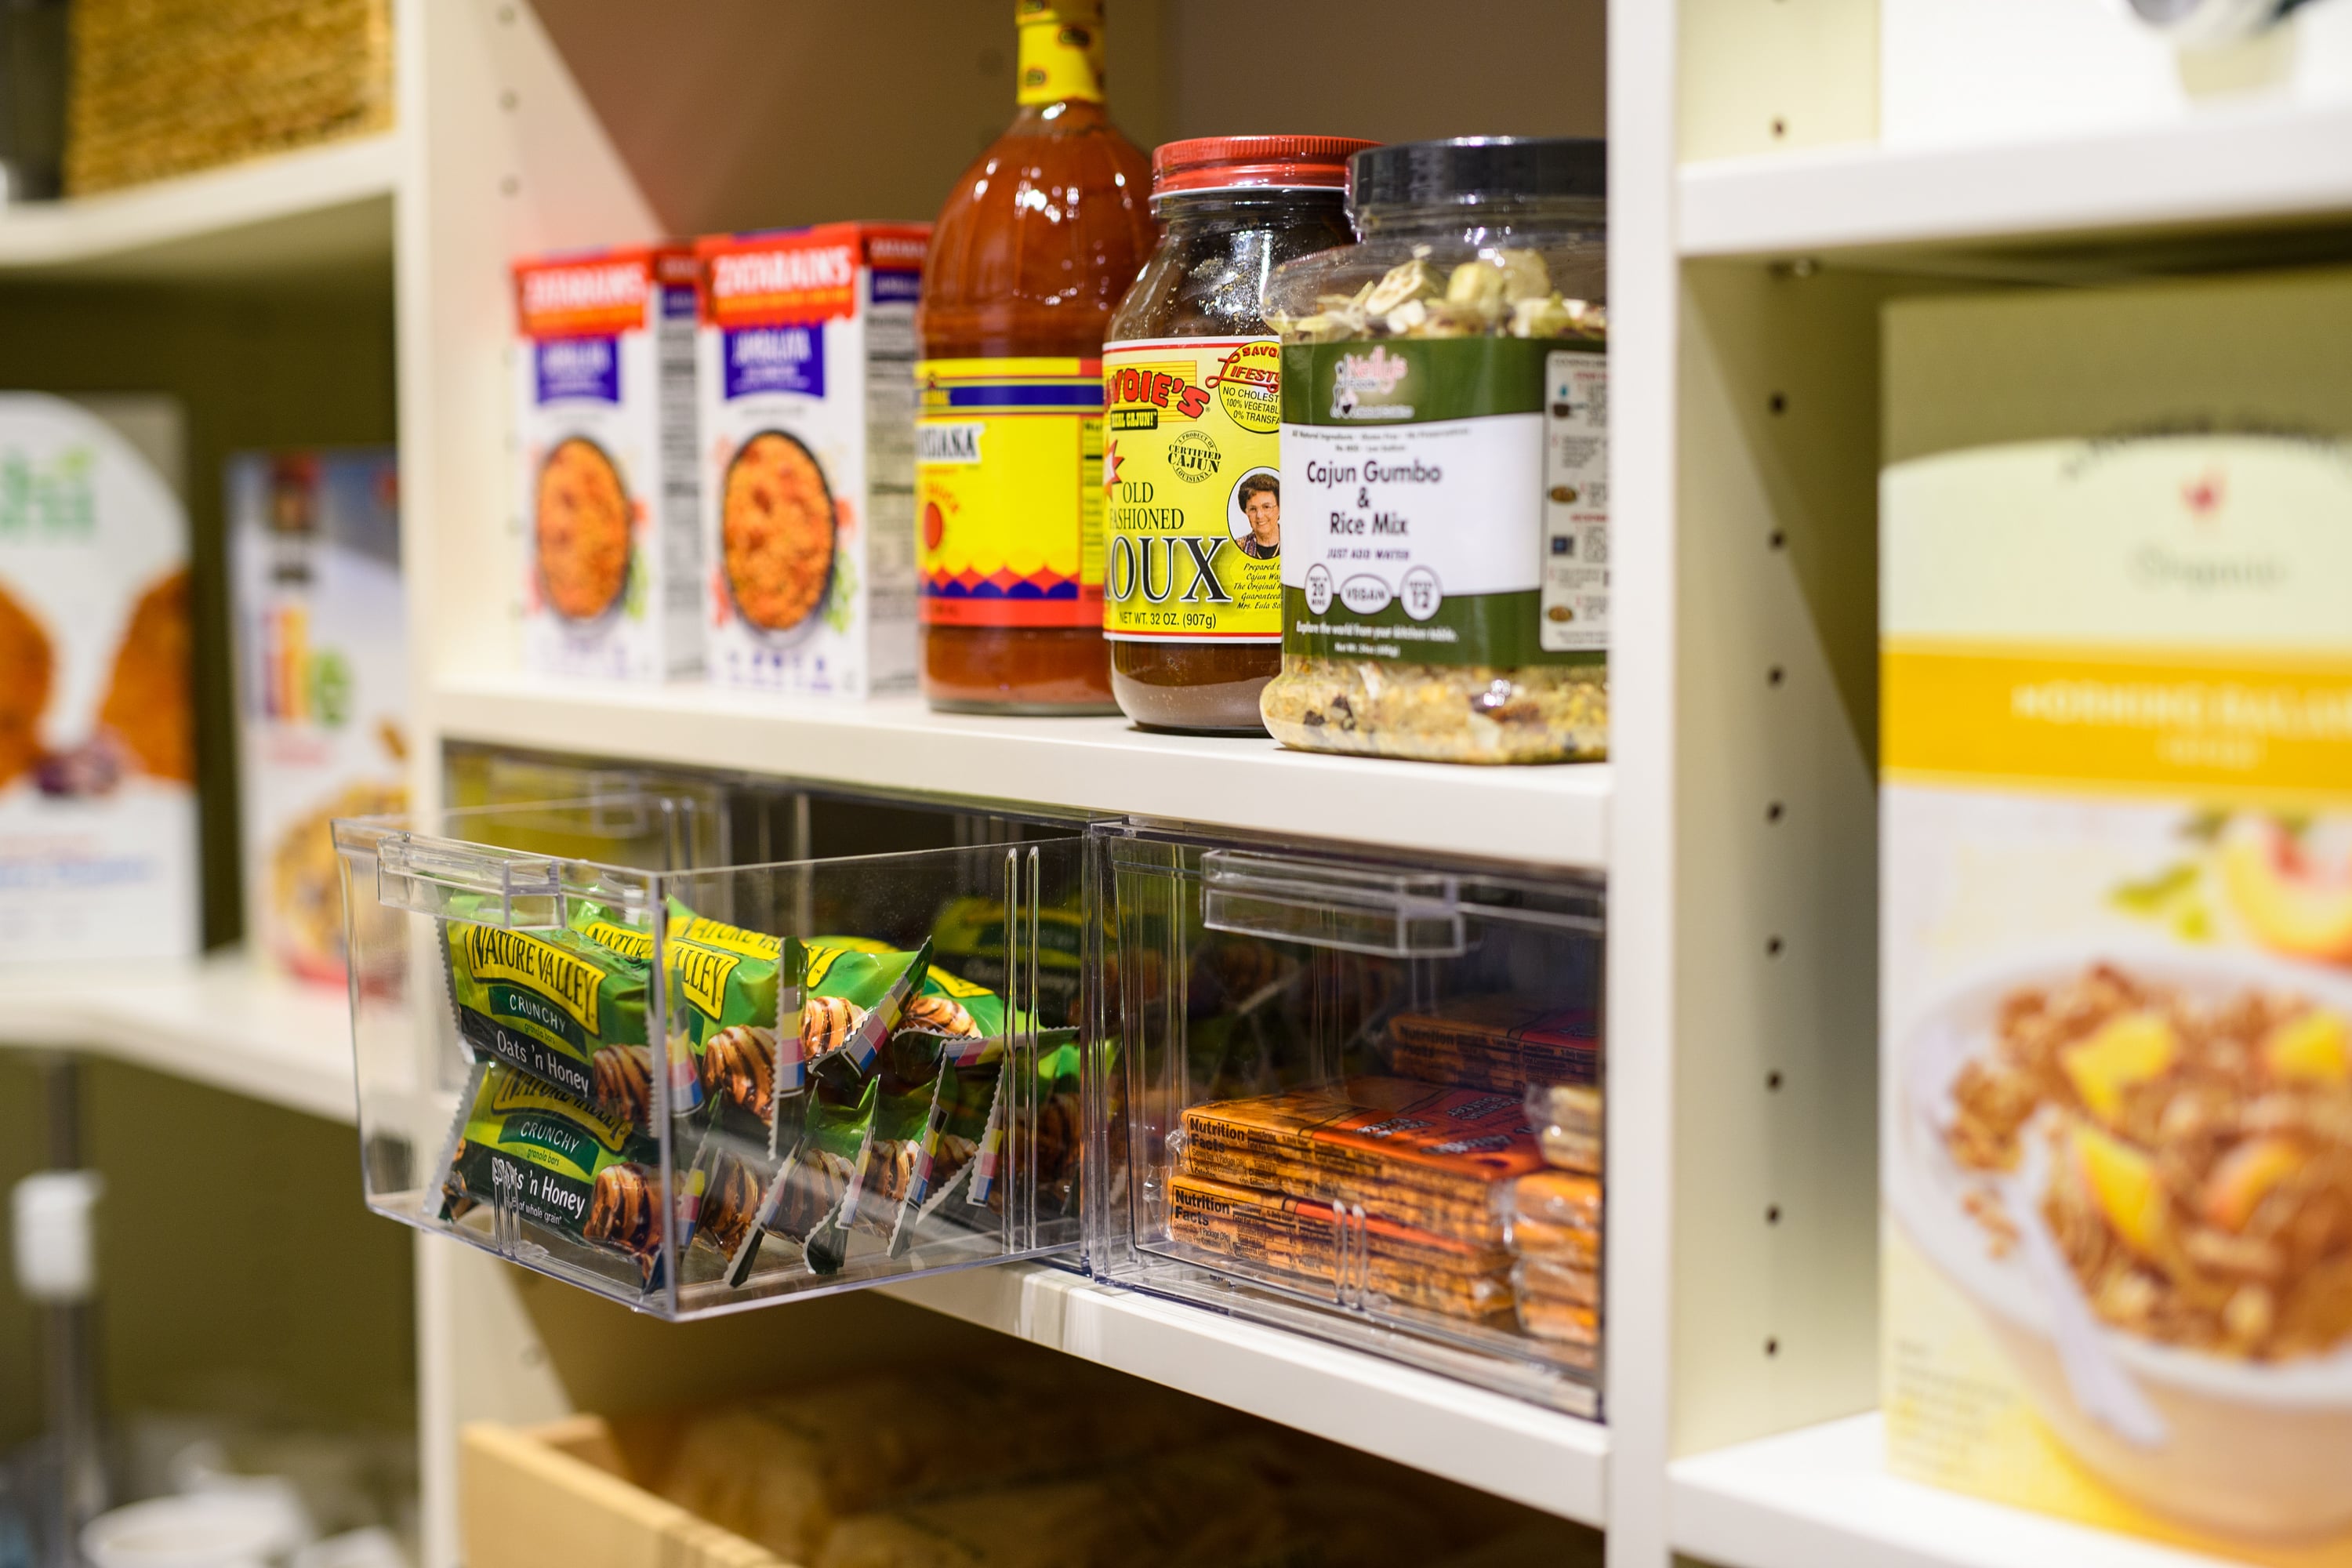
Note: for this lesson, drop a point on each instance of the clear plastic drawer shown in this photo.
(1358, 1100)
(589, 1043)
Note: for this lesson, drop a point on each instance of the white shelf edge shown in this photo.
(1492, 1442)
(219, 1021)
(2256, 164)
(1555, 816)
(124, 225)
(1820, 1496)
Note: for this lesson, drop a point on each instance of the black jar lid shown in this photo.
(1478, 169)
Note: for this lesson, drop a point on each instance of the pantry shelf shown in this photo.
(1545, 815)
(2263, 168)
(1497, 1444)
(1820, 1496)
(222, 1021)
(316, 209)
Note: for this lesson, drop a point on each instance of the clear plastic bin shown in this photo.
(1314, 1109)
(588, 1043)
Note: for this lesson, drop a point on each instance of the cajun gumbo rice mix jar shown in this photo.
(1444, 456)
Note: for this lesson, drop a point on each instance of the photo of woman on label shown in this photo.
(1254, 519)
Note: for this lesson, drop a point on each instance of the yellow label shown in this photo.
(708, 933)
(1008, 456)
(702, 974)
(1192, 479)
(496, 954)
(512, 1091)
(2160, 720)
(1061, 50)
(633, 944)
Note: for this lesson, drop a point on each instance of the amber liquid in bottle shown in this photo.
(1029, 257)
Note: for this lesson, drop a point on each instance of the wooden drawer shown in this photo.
(560, 1493)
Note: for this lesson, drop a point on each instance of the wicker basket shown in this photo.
(164, 87)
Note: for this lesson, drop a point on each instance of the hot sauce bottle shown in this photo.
(1032, 251)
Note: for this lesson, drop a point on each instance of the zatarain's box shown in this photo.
(604, 399)
(806, 362)
(2116, 815)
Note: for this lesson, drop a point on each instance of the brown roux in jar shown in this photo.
(1235, 207)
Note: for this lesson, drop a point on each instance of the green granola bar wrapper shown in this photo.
(538, 1155)
(817, 1175)
(722, 977)
(558, 1006)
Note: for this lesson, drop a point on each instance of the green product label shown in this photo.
(1424, 526)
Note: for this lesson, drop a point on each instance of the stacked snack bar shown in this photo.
(1552, 1220)
(1398, 1188)
(1549, 1057)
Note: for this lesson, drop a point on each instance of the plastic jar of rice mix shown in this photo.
(1444, 460)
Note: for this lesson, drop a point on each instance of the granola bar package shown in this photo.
(1554, 1215)
(557, 1005)
(1568, 1121)
(820, 1166)
(715, 986)
(1409, 1151)
(1497, 1042)
(1304, 1238)
(521, 1149)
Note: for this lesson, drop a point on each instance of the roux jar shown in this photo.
(1193, 419)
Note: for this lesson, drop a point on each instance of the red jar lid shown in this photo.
(1231, 162)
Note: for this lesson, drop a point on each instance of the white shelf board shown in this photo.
(2225, 167)
(318, 207)
(1547, 815)
(1820, 1496)
(1490, 1441)
(222, 1020)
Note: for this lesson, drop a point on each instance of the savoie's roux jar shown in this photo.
(1444, 460)
(1193, 410)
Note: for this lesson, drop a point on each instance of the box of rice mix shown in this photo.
(98, 731)
(605, 434)
(321, 683)
(806, 363)
(1417, 1154)
(2115, 749)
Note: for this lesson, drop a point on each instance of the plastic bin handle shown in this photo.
(1355, 909)
(430, 876)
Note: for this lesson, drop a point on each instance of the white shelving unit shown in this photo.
(1547, 816)
(1756, 227)
(223, 1020)
(2258, 166)
(1821, 1498)
(295, 211)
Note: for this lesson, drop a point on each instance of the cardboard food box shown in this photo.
(604, 432)
(2116, 908)
(807, 367)
(322, 683)
(98, 741)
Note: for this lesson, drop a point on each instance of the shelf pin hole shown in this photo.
(1771, 1347)
(1779, 541)
(1779, 403)
(1772, 1080)
(1779, 127)
(1772, 1214)
(1774, 812)
(1773, 947)
(1775, 676)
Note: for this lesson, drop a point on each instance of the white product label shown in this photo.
(1575, 597)
(1412, 512)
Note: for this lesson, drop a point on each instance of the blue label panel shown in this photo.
(893, 287)
(579, 368)
(776, 359)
